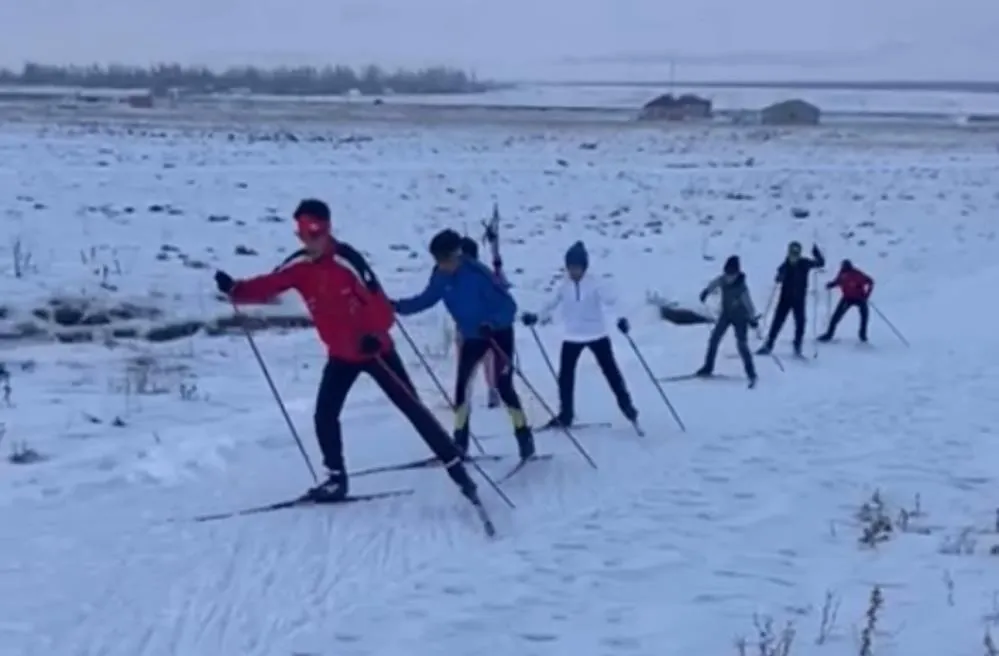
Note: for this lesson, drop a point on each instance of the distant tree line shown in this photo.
(298, 80)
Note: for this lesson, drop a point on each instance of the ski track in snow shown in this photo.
(670, 547)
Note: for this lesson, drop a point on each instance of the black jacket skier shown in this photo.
(737, 311)
(792, 276)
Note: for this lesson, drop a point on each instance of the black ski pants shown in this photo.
(785, 306)
(502, 344)
(390, 375)
(604, 354)
(741, 329)
(840, 311)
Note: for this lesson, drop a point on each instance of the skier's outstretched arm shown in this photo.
(711, 288)
(818, 260)
(544, 315)
(429, 297)
(261, 289)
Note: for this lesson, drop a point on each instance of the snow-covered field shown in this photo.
(630, 97)
(671, 547)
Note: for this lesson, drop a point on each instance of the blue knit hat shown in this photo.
(577, 256)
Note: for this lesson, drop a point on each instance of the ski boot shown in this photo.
(525, 442)
(766, 349)
(704, 372)
(335, 488)
(456, 472)
(559, 422)
(824, 338)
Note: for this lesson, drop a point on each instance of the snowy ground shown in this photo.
(671, 547)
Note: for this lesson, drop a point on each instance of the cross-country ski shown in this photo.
(402, 375)
(513, 471)
(424, 463)
(676, 378)
(304, 501)
(586, 425)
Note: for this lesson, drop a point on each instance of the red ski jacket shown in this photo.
(344, 298)
(855, 284)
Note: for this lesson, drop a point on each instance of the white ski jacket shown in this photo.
(582, 308)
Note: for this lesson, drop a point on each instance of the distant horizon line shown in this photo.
(888, 84)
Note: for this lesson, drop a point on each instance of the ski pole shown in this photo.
(544, 353)
(655, 382)
(895, 330)
(773, 356)
(411, 393)
(274, 391)
(435, 379)
(766, 310)
(815, 313)
(544, 404)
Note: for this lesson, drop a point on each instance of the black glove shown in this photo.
(486, 331)
(370, 344)
(224, 282)
(623, 325)
(491, 235)
(830, 285)
(754, 322)
(704, 296)
(529, 319)
(816, 253)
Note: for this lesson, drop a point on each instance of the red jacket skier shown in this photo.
(353, 317)
(856, 287)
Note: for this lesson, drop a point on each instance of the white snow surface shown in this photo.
(670, 547)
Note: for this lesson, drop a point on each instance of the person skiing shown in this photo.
(737, 312)
(583, 300)
(470, 249)
(792, 276)
(352, 316)
(484, 311)
(856, 287)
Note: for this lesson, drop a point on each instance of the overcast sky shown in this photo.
(526, 39)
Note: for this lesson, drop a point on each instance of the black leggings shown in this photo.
(501, 343)
(604, 354)
(390, 374)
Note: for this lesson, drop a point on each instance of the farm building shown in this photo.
(790, 112)
(144, 101)
(676, 108)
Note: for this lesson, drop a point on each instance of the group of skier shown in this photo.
(353, 316)
(791, 288)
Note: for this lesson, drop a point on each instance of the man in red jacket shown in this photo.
(856, 287)
(353, 317)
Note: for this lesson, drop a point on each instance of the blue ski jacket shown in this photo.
(472, 295)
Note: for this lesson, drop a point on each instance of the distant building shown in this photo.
(790, 112)
(143, 101)
(668, 107)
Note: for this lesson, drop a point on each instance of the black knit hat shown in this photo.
(732, 265)
(445, 244)
(313, 208)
